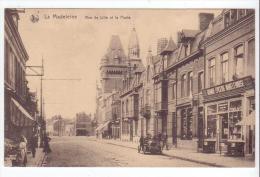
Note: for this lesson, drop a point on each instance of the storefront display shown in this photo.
(223, 117)
(186, 123)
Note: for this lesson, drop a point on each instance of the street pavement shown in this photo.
(86, 152)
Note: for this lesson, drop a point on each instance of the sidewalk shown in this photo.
(214, 160)
(37, 160)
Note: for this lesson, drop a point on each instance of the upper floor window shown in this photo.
(190, 84)
(251, 58)
(224, 67)
(239, 61)
(212, 72)
(127, 104)
(148, 97)
(173, 90)
(234, 15)
(183, 85)
(200, 81)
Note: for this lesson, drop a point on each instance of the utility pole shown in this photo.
(36, 72)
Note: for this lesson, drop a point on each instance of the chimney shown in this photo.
(204, 20)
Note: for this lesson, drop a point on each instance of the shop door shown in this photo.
(223, 127)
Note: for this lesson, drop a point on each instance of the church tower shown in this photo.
(113, 66)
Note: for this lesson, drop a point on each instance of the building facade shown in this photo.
(197, 89)
(229, 96)
(20, 105)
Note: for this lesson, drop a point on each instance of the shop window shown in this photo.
(200, 81)
(239, 62)
(190, 84)
(212, 109)
(183, 124)
(235, 116)
(183, 85)
(212, 72)
(224, 67)
(186, 124)
(211, 126)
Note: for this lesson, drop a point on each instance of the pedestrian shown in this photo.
(165, 141)
(141, 142)
(34, 143)
(46, 146)
(21, 156)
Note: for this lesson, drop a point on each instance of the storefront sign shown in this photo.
(241, 83)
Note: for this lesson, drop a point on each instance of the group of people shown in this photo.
(161, 138)
(32, 144)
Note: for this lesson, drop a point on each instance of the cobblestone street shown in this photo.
(84, 151)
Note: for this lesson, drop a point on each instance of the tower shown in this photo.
(113, 65)
(133, 46)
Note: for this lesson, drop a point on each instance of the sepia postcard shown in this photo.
(130, 87)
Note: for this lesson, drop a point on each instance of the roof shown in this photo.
(133, 41)
(187, 33)
(170, 47)
(115, 49)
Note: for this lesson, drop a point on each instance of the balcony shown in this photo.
(161, 106)
(146, 111)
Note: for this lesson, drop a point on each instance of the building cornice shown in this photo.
(231, 29)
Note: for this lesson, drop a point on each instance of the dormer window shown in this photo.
(233, 15)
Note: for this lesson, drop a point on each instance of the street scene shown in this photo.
(129, 88)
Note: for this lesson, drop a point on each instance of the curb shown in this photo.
(171, 156)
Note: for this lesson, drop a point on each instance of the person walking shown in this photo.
(141, 142)
(46, 146)
(33, 144)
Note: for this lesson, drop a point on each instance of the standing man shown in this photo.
(34, 142)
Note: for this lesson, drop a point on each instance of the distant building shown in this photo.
(83, 125)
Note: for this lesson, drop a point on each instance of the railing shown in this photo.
(146, 111)
(161, 106)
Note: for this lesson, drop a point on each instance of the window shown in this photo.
(148, 97)
(127, 106)
(148, 74)
(227, 19)
(224, 67)
(200, 81)
(190, 84)
(212, 72)
(233, 16)
(239, 61)
(211, 126)
(183, 81)
(251, 58)
(241, 13)
(173, 90)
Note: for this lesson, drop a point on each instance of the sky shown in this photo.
(73, 47)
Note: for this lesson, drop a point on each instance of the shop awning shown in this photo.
(248, 120)
(19, 115)
(103, 126)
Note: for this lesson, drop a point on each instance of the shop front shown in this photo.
(226, 106)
